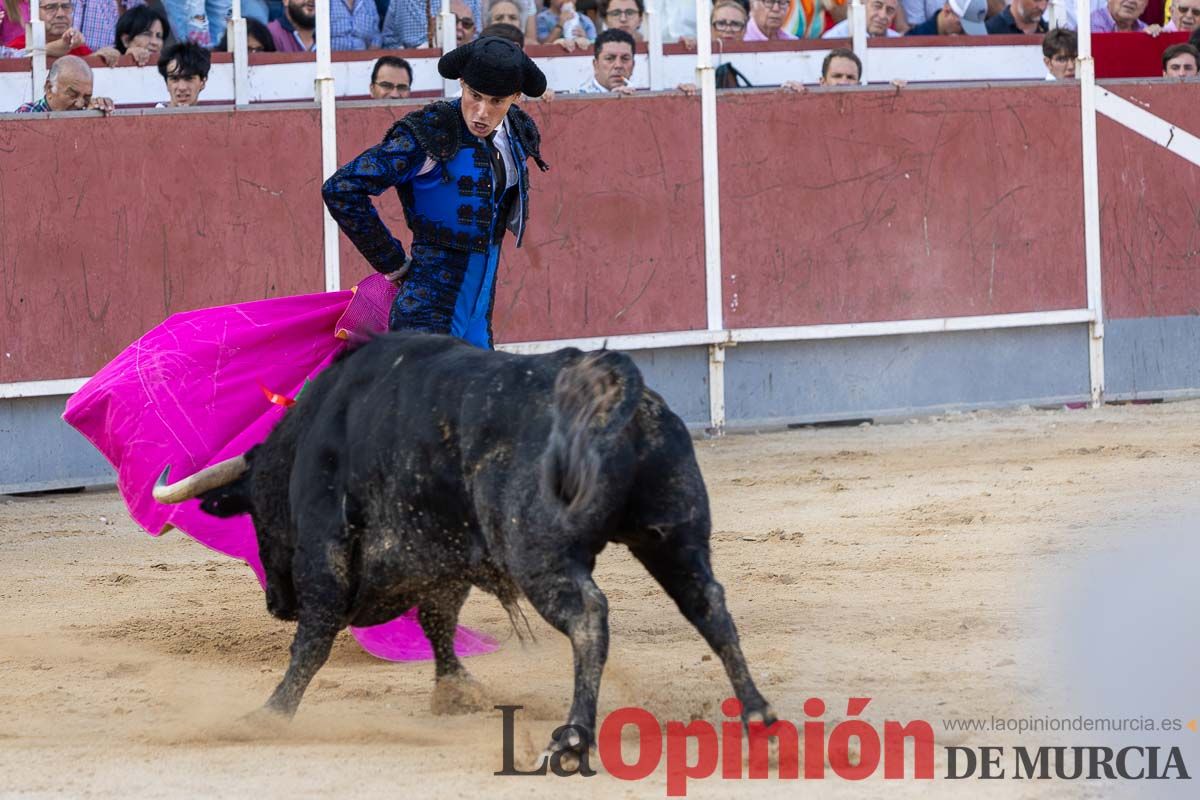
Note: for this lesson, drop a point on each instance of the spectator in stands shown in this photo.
(199, 21)
(391, 79)
(1119, 15)
(841, 67)
(258, 38)
(505, 31)
(257, 10)
(1022, 16)
(1060, 49)
(353, 25)
(141, 32)
(589, 9)
(766, 21)
(881, 14)
(561, 24)
(97, 21)
(296, 30)
(917, 12)
(729, 19)
(13, 16)
(612, 64)
(1185, 16)
(69, 88)
(513, 34)
(518, 13)
(625, 15)
(1181, 61)
(63, 38)
(184, 67)
(679, 21)
(955, 17)
(406, 25)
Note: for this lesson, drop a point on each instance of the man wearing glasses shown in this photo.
(766, 21)
(1185, 16)
(1060, 48)
(391, 79)
(63, 38)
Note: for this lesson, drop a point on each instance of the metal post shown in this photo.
(1086, 72)
(654, 45)
(235, 33)
(449, 42)
(326, 99)
(706, 79)
(857, 14)
(35, 41)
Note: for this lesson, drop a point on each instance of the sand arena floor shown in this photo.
(933, 566)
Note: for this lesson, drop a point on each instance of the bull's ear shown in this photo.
(229, 500)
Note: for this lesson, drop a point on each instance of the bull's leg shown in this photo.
(454, 691)
(685, 573)
(568, 598)
(320, 576)
(310, 649)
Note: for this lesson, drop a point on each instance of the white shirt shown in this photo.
(590, 86)
(842, 31)
(679, 19)
(502, 143)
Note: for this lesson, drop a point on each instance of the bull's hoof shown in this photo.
(765, 715)
(568, 751)
(458, 694)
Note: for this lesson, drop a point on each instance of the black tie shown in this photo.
(501, 176)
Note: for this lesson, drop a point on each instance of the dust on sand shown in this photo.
(921, 565)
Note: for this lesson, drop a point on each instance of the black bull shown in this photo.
(420, 466)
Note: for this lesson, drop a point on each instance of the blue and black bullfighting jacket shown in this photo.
(456, 213)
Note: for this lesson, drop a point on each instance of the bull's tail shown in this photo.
(594, 401)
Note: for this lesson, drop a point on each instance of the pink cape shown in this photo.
(194, 391)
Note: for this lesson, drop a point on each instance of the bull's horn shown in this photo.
(218, 474)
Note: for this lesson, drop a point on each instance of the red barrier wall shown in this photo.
(836, 207)
(111, 224)
(865, 206)
(1150, 210)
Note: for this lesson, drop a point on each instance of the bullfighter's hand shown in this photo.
(398, 275)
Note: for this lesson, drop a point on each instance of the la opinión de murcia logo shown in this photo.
(735, 744)
(851, 750)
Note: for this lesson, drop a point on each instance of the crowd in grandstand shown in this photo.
(179, 34)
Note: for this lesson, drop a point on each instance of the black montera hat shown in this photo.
(494, 66)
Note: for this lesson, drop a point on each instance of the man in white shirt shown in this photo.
(612, 65)
(881, 14)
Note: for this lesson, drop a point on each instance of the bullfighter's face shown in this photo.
(484, 112)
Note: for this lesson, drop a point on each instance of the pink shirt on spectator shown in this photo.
(11, 29)
(753, 34)
(1103, 22)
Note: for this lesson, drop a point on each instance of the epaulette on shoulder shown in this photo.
(527, 134)
(436, 129)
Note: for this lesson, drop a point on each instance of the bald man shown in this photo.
(69, 88)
